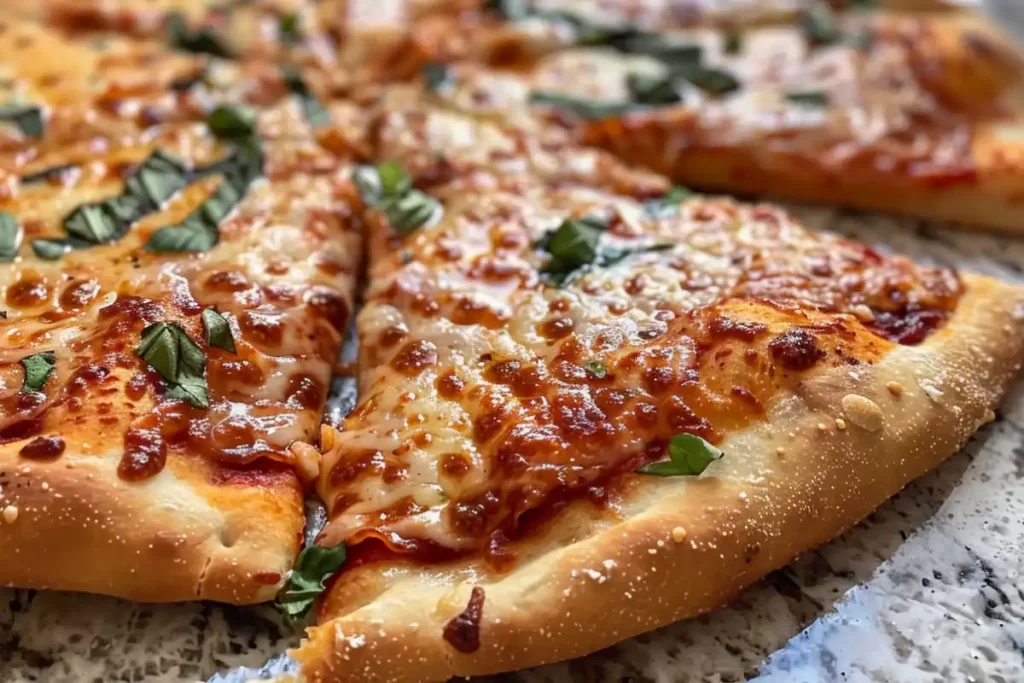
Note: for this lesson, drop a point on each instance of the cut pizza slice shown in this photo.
(586, 412)
(174, 290)
(913, 114)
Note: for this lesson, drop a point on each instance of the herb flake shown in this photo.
(10, 237)
(28, 118)
(314, 566)
(179, 361)
(218, 331)
(689, 455)
(38, 368)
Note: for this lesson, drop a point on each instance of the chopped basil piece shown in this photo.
(809, 98)
(862, 39)
(668, 204)
(53, 249)
(10, 237)
(437, 76)
(232, 121)
(861, 4)
(218, 331)
(733, 43)
(585, 109)
(198, 232)
(710, 80)
(180, 362)
(689, 455)
(157, 179)
(288, 29)
(653, 90)
(819, 25)
(27, 117)
(200, 41)
(511, 10)
(37, 370)
(410, 211)
(305, 582)
(575, 247)
(673, 54)
(388, 188)
(314, 112)
(597, 369)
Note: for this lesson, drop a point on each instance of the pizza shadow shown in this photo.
(790, 625)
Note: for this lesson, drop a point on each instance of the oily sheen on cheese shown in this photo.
(198, 501)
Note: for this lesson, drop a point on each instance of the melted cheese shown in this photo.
(476, 404)
(282, 273)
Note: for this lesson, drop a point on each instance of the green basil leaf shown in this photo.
(180, 361)
(410, 211)
(689, 455)
(288, 30)
(613, 255)
(27, 117)
(510, 10)
(437, 76)
(10, 237)
(314, 112)
(653, 90)
(232, 121)
(572, 245)
(597, 369)
(733, 43)
(199, 232)
(819, 25)
(161, 176)
(53, 249)
(314, 566)
(808, 98)
(672, 53)
(710, 80)
(37, 370)
(218, 331)
(668, 204)
(862, 39)
(585, 109)
(191, 389)
(91, 223)
(199, 41)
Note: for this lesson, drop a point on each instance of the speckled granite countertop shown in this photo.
(927, 589)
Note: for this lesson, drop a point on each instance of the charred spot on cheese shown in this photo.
(10, 237)
(144, 456)
(463, 630)
(27, 118)
(43, 448)
(414, 357)
(796, 349)
(314, 112)
(910, 325)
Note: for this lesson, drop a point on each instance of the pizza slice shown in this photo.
(589, 409)
(173, 294)
(913, 114)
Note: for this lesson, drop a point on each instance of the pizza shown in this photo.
(918, 114)
(591, 401)
(177, 280)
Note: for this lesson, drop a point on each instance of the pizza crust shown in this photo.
(832, 451)
(178, 536)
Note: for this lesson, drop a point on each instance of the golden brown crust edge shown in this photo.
(688, 546)
(178, 536)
